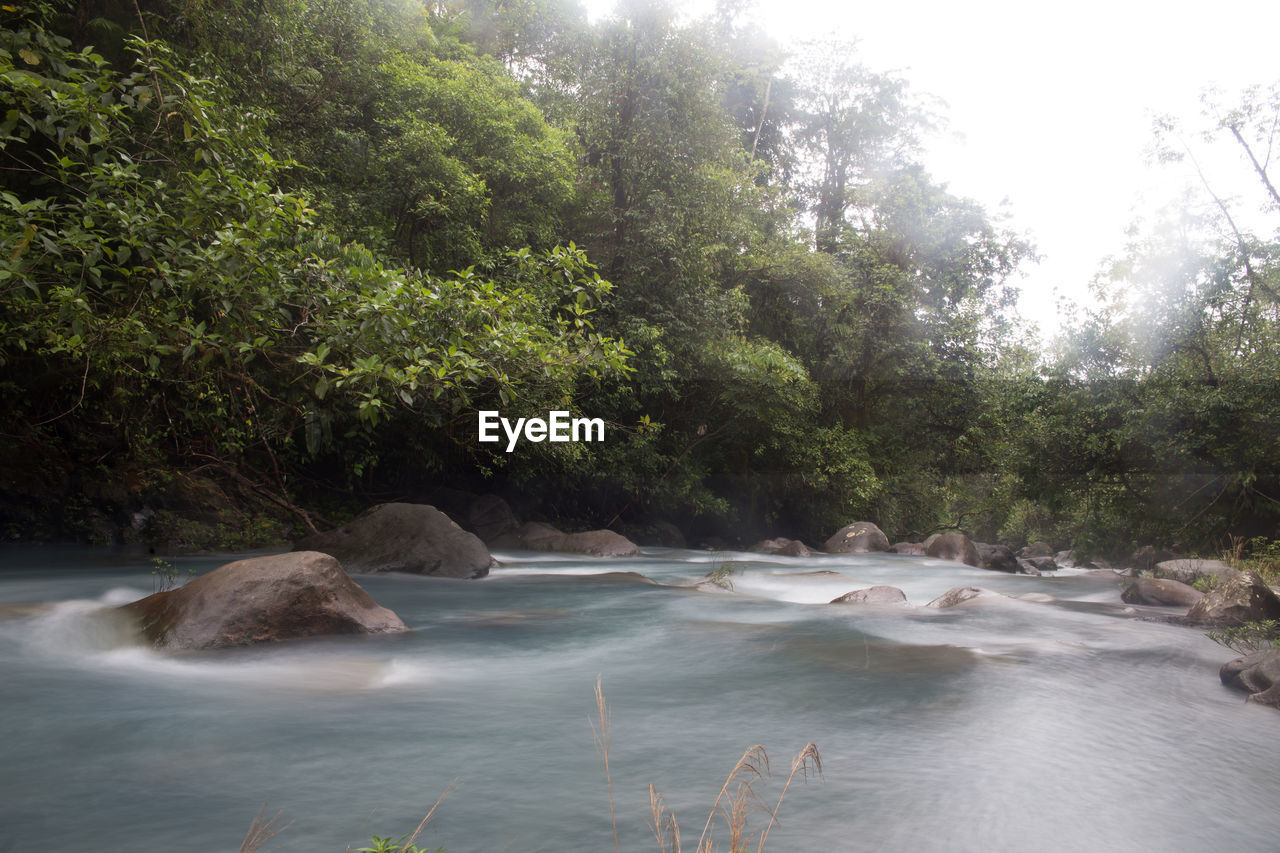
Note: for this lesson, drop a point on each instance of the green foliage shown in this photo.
(165, 575)
(1250, 637)
(379, 844)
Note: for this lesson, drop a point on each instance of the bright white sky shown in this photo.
(1050, 106)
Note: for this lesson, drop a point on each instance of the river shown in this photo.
(1049, 718)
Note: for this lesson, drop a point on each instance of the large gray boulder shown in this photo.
(490, 517)
(953, 546)
(1189, 571)
(861, 537)
(1257, 674)
(782, 547)
(873, 595)
(1237, 600)
(262, 600)
(398, 537)
(537, 536)
(1161, 592)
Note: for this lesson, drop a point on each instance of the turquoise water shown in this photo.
(1050, 719)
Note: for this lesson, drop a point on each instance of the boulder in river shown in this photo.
(909, 549)
(1257, 674)
(873, 595)
(782, 546)
(262, 600)
(997, 558)
(1036, 549)
(1189, 571)
(1161, 592)
(1026, 567)
(490, 516)
(861, 537)
(399, 537)
(953, 546)
(537, 536)
(1237, 600)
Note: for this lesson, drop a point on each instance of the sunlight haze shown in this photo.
(1049, 108)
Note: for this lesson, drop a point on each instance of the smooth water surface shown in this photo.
(1047, 719)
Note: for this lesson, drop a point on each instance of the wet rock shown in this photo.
(873, 595)
(861, 537)
(262, 600)
(1160, 592)
(1257, 674)
(398, 537)
(1065, 559)
(953, 546)
(1189, 571)
(490, 517)
(997, 558)
(1026, 567)
(959, 595)
(1237, 600)
(1036, 549)
(783, 547)
(910, 549)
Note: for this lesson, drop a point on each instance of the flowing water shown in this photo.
(1047, 719)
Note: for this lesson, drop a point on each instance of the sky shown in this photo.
(1050, 107)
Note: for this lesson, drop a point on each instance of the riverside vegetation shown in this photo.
(262, 264)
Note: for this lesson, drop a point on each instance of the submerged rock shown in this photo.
(1161, 592)
(873, 595)
(262, 600)
(399, 537)
(953, 546)
(1237, 600)
(861, 537)
(782, 546)
(1257, 674)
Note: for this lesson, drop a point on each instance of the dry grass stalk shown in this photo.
(806, 763)
(602, 741)
(423, 825)
(260, 832)
(663, 823)
(751, 767)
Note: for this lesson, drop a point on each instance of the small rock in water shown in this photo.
(873, 595)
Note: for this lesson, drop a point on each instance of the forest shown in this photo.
(262, 262)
